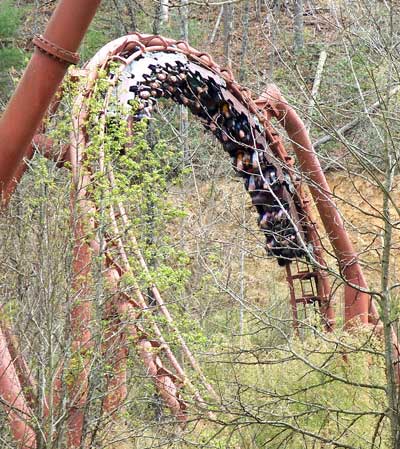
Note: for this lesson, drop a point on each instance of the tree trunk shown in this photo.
(130, 6)
(298, 26)
(245, 40)
(157, 18)
(218, 21)
(164, 16)
(391, 359)
(184, 115)
(228, 27)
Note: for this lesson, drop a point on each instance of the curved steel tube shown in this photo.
(357, 302)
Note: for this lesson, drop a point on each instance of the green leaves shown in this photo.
(144, 167)
(10, 19)
(10, 55)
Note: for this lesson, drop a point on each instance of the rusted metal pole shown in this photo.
(357, 303)
(53, 53)
(293, 301)
(116, 347)
(323, 285)
(12, 396)
(80, 318)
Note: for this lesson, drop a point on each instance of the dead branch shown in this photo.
(315, 88)
(353, 123)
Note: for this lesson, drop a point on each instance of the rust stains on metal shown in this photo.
(54, 50)
(42, 77)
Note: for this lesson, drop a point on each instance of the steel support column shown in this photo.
(357, 303)
(41, 80)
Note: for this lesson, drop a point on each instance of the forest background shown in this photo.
(336, 62)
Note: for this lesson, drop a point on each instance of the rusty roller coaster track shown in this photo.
(175, 71)
(141, 71)
(152, 68)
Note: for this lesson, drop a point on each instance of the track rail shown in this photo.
(144, 71)
(153, 67)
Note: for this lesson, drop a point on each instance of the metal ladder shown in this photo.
(303, 287)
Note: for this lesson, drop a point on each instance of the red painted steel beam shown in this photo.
(12, 396)
(45, 72)
(116, 347)
(357, 303)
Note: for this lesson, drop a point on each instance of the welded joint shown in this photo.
(52, 49)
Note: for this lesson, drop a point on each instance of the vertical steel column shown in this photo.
(357, 303)
(323, 284)
(13, 400)
(46, 69)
